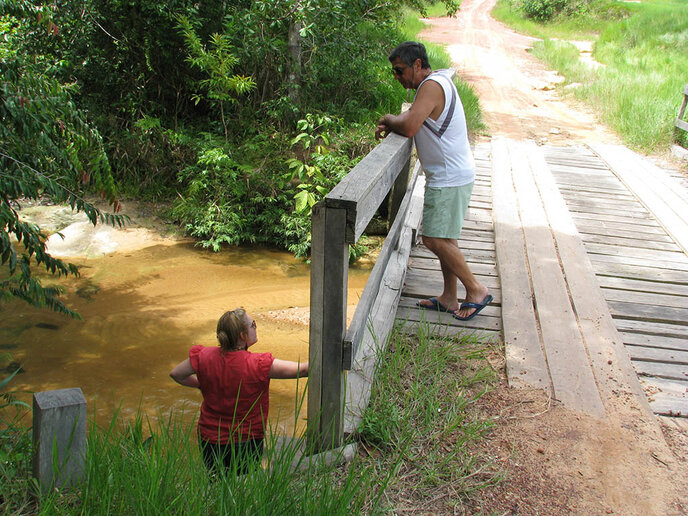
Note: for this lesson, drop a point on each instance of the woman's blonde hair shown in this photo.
(229, 328)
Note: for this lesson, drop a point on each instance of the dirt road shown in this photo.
(557, 461)
(516, 90)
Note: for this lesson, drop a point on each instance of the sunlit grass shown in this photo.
(639, 89)
(420, 410)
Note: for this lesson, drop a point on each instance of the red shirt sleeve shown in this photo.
(193, 356)
(265, 361)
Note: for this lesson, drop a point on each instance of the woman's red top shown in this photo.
(235, 388)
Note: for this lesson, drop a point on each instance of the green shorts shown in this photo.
(444, 210)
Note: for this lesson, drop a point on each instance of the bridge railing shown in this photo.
(337, 222)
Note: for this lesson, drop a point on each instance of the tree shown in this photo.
(47, 149)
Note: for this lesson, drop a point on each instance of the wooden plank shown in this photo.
(646, 236)
(380, 270)
(661, 194)
(618, 217)
(486, 256)
(645, 354)
(601, 342)
(676, 388)
(572, 377)
(672, 257)
(329, 273)
(364, 188)
(681, 124)
(421, 287)
(649, 312)
(478, 268)
(525, 359)
(375, 338)
(444, 331)
(422, 251)
(640, 339)
(670, 407)
(668, 397)
(651, 328)
(661, 244)
(650, 298)
(637, 272)
(662, 370)
(642, 285)
(488, 319)
(625, 260)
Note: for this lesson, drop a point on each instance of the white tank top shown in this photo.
(442, 144)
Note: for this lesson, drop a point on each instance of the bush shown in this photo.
(542, 10)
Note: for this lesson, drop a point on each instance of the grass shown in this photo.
(639, 89)
(420, 422)
(415, 437)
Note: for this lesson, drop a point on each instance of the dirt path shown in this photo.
(557, 461)
(516, 90)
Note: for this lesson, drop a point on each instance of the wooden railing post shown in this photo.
(399, 190)
(59, 437)
(329, 275)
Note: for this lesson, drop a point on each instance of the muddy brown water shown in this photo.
(143, 309)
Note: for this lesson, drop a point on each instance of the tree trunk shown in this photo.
(294, 78)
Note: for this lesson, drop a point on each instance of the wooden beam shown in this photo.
(364, 188)
(329, 274)
(525, 359)
(372, 287)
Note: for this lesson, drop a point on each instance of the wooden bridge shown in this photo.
(585, 250)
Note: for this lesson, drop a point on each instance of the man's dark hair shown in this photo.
(408, 52)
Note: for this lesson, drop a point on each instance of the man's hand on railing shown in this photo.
(382, 129)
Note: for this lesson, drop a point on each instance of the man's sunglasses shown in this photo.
(398, 71)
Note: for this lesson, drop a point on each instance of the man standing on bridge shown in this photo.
(437, 123)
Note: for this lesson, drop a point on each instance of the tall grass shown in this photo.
(154, 466)
(420, 410)
(639, 89)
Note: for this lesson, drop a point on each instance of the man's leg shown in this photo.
(454, 266)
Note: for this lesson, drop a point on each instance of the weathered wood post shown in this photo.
(59, 437)
(329, 275)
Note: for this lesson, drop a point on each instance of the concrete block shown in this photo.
(59, 436)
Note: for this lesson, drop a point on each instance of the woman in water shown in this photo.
(235, 384)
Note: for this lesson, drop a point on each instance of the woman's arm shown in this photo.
(286, 369)
(184, 374)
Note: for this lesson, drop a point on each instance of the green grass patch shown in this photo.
(639, 89)
(420, 421)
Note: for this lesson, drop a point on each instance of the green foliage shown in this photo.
(645, 53)
(420, 410)
(47, 149)
(15, 446)
(226, 200)
(570, 15)
(542, 10)
(221, 86)
(154, 466)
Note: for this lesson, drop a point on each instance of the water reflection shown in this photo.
(142, 310)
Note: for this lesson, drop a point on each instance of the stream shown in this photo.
(145, 299)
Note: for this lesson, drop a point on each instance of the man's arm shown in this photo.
(429, 103)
